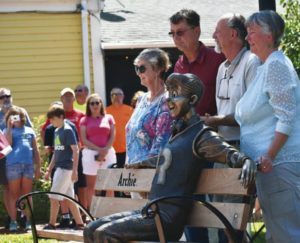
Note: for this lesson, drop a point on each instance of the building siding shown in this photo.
(92, 89)
(40, 53)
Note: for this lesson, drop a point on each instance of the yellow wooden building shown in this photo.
(46, 46)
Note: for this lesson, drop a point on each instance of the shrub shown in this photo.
(291, 39)
(41, 204)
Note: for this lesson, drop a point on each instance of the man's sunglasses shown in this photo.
(94, 103)
(139, 69)
(78, 90)
(5, 96)
(178, 33)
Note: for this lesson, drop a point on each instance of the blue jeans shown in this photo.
(17, 171)
(279, 196)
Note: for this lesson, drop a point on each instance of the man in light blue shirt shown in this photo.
(234, 77)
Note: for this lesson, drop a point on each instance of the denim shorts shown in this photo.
(17, 171)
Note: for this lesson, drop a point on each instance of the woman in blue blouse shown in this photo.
(23, 163)
(148, 129)
(269, 115)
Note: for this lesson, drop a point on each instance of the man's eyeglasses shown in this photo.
(94, 103)
(5, 96)
(116, 94)
(78, 90)
(139, 69)
(178, 33)
(224, 85)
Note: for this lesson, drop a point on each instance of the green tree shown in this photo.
(291, 39)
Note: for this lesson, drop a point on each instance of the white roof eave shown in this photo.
(146, 44)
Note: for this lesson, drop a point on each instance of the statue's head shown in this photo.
(184, 92)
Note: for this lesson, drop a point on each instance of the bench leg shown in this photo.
(32, 221)
(159, 225)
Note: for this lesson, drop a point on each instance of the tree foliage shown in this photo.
(291, 39)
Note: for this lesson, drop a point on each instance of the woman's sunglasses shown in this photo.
(94, 103)
(139, 69)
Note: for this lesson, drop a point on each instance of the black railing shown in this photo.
(21, 205)
(148, 211)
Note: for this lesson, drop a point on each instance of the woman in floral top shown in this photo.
(148, 129)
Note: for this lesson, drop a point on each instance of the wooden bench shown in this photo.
(211, 181)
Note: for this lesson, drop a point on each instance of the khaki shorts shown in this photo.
(62, 183)
(91, 166)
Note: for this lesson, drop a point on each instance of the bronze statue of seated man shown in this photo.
(191, 145)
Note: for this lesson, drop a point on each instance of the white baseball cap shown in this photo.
(67, 90)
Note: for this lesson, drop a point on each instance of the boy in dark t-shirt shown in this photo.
(65, 161)
(49, 137)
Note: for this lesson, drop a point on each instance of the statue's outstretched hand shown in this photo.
(248, 172)
(133, 166)
(148, 163)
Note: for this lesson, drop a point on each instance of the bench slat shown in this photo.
(236, 213)
(212, 181)
(130, 180)
(103, 206)
(220, 181)
(64, 235)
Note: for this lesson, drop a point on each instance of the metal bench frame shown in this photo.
(151, 210)
(22, 205)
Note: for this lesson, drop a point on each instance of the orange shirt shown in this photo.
(121, 115)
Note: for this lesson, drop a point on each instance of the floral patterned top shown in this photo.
(148, 129)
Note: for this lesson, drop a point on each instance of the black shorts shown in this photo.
(3, 179)
(81, 177)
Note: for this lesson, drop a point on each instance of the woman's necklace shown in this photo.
(156, 94)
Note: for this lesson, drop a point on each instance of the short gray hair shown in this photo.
(270, 22)
(237, 22)
(156, 57)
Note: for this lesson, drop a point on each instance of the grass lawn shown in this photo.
(27, 237)
(21, 238)
(261, 237)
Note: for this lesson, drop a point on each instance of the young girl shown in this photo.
(20, 167)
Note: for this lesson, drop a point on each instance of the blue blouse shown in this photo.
(272, 103)
(148, 129)
(22, 151)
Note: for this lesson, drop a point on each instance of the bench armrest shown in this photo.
(21, 205)
(151, 210)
